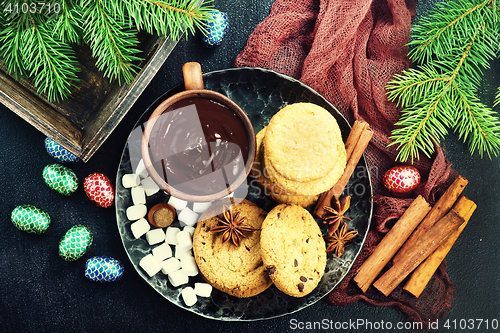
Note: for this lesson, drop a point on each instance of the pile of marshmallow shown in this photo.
(171, 251)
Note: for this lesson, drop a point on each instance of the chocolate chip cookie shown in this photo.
(293, 249)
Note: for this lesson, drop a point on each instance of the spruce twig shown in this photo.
(29, 49)
(110, 28)
(113, 46)
(455, 43)
(174, 17)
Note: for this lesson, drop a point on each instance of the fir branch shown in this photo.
(456, 43)
(113, 46)
(30, 50)
(477, 125)
(497, 98)
(51, 62)
(166, 18)
(67, 24)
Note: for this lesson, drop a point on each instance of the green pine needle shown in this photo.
(454, 44)
(173, 17)
(30, 50)
(67, 24)
(37, 44)
(113, 46)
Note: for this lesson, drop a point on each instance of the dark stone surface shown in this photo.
(39, 292)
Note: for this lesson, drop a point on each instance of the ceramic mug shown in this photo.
(198, 145)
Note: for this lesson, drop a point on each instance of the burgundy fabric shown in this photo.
(348, 51)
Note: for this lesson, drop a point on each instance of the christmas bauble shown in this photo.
(216, 29)
(75, 243)
(30, 219)
(401, 179)
(99, 189)
(60, 179)
(58, 152)
(103, 269)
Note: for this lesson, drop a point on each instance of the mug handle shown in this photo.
(193, 79)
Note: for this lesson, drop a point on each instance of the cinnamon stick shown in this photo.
(422, 275)
(391, 243)
(357, 129)
(440, 209)
(424, 247)
(355, 145)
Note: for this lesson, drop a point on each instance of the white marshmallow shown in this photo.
(180, 252)
(171, 235)
(162, 252)
(155, 236)
(140, 227)
(189, 296)
(150, 264)
(188, 217)
(188, 264)
(150, 187)
(184, 241)
(136, 212)
(200, 207)
(170, 265)
(178, 278)
(190, 229)
(141, 170)
(202, 289)
(130, 180)
(177, 203)
(138, 195)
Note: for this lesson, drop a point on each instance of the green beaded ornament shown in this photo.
(75, 243)
(60, 178)
(30, 219)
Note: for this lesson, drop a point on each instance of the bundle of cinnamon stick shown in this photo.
(417, 243)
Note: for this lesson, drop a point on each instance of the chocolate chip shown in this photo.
(301, 287)
(246, 247)
(295, 262)
(203, 225)
(207, 229)
(278, 215)
(203, 243)
(271, 269)
(303, 279)
(307, 240)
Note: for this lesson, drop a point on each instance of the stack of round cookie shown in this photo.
(300, 154)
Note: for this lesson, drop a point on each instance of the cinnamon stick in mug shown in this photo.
(391, 243)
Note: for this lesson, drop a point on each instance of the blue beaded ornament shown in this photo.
(216, 29)
(59, 152)
(103, 269)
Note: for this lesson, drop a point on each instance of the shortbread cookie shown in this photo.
(313, 187)
(236, 270)
(293, 249)
(302, 142)
(275, 191)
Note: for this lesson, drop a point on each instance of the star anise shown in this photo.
(336, 215)
(339, 239)
(232, 227)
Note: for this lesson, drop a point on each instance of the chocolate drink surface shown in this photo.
(201, 146)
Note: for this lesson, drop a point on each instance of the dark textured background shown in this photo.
(41, 292)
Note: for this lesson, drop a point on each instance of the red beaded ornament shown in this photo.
(99, 189)
(401, 179)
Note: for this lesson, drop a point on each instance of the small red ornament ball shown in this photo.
(99, 189)
(401, 179)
